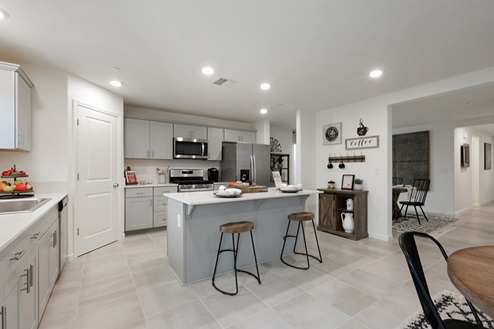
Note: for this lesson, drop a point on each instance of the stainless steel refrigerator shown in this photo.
(246, 162)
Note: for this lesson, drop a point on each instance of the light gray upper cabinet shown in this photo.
(215, 138)
(146, 139)
(240, 136)
(15, 103)
(190, 131)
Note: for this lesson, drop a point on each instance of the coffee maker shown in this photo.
(213, 174)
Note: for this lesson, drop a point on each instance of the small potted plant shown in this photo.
(330, 184)
(357, 184)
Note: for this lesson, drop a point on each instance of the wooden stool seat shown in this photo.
(237, 227)
(301, 216)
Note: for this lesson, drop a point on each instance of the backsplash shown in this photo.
(146, 168)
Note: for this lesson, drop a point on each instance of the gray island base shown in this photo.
(193, 229)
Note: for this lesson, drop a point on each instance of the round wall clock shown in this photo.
(332, 134)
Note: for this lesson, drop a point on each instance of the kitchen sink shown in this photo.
(21, 205)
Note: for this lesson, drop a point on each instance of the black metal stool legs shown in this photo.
(306, 253)
(235, 251)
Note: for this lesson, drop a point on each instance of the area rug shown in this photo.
(436, 225)
(450, 306)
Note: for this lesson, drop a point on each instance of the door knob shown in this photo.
(116, 185)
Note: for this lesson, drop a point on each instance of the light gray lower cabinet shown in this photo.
(28, 291)
(160, 204)
(145, 207)
(138, 208)
(48, 251)
(22, 268)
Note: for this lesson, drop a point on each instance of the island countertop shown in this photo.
(208, 197)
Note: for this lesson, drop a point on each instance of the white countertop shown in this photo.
(13, 225)
(150, 185)
(208, 197)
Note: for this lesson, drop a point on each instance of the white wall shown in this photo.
(152, 114)
(373, 171)
(473, 180)
(304, 158)
(377, 169)
(46, 164)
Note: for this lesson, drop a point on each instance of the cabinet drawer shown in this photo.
(160, 203)
(158, 191)
(159, 219)
(138, 192)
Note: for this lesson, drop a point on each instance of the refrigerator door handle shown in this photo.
(254, 170)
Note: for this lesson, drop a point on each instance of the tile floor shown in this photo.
(363, 284)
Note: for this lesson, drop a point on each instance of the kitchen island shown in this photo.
(193, 229)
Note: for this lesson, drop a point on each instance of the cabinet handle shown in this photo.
(28, 288)
(54, 241)
(35, 236)
(3, 312)
(18, 255)
(31, 270)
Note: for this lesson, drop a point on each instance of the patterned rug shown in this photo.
(449, 305)
(437, 224)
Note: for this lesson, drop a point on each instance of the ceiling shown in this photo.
(316, 54)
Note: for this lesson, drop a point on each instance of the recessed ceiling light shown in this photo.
(376, 74)
(207, 70)
(3, 14)
(263, 111)
(116, 83)
(470, 103)
(265, 86)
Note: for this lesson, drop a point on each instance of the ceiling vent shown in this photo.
(224, 82)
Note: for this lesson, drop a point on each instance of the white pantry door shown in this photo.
(96, 222)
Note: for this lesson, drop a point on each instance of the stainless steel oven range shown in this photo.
(190, 180)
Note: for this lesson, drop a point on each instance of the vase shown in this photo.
(347, 222)
(161, 179)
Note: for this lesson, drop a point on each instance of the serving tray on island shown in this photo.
(226, 196)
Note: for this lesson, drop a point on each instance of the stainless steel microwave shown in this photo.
(190, 148)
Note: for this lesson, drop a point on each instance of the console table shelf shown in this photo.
(332, 203)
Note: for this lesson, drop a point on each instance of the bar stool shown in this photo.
(235, 227)
(300, 217)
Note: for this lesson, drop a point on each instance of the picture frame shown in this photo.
(347, 182)
(487, 156)
(331, 134)
(465, 155)
(362, 143)
(130, 177)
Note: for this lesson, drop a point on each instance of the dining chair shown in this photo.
(417, 197)
(397, 181)
(409, 248)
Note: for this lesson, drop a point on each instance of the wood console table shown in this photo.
(333, 202)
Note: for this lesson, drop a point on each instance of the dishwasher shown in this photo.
(63, 223)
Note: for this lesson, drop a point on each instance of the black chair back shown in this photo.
(420, 189)
(409, 248)
(397, 180)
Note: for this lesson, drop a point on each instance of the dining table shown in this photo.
(471, 270)
(397, 190)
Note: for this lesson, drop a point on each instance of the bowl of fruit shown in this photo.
(15, 185)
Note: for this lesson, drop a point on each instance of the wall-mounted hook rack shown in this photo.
(347, 158)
